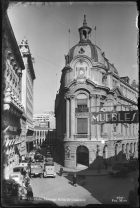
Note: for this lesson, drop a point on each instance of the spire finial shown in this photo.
(84, 22)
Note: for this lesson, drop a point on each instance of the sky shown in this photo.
(46, 29)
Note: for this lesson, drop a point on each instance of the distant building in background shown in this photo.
(13, 112)
(90, 84)
(28, 91)
(44, 125)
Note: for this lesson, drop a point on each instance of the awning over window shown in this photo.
(30, 138)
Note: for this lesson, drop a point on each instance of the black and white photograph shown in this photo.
(69, 104)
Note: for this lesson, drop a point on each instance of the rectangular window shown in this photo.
(82, 125)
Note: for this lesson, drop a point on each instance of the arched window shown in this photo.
(82, 101)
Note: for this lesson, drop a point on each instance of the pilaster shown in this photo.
(72, 100)
(97, 110)
(92, 109)
(67, 117)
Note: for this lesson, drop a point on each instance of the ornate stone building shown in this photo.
(13, 117)
(28, 78)
(90, 83)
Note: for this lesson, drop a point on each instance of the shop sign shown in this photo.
(115, 117)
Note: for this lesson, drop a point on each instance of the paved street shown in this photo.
(92, 189)
(61, 192)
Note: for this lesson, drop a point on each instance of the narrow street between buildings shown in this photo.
(92, 188)
(61, 192)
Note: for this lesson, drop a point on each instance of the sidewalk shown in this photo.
(83, 171)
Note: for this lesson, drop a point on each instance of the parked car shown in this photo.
(19, 168)
(17, 177)
(36, 170)
(49, 169)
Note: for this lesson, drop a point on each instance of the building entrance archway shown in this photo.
(82, 155)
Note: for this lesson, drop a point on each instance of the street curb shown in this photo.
(84, 174)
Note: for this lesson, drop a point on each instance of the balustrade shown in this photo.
(78, 110)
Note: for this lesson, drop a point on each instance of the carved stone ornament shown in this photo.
(81, 51)
(67, 151)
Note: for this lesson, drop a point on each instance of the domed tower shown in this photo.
(84, 31)
(89, 83)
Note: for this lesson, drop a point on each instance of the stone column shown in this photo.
(89, 118)
(119, 124)
(67, 117)
(93, 109)
(72, 116)
(39, 137)
(97, 110)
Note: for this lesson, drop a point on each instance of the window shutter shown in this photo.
(82, 126)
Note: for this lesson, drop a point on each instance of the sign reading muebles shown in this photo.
(115, 117)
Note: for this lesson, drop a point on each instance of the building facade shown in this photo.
(44, 120)
(13, 113)
(44, 128)
(90, 83)
(28, 78)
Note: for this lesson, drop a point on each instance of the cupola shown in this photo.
(84, 31)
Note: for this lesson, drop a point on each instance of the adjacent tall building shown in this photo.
(13, 112)
(90, 83)
(28, 78)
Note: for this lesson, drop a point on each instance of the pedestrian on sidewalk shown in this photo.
(29, 193)
(74, 180)
(61, 171)
(27, 180)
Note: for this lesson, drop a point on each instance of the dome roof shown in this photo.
(86, 48)
(90, 50)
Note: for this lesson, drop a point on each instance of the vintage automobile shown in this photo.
(36, 169)
(49, 169)
(39, 158)
(19, 168)
(17, 177)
